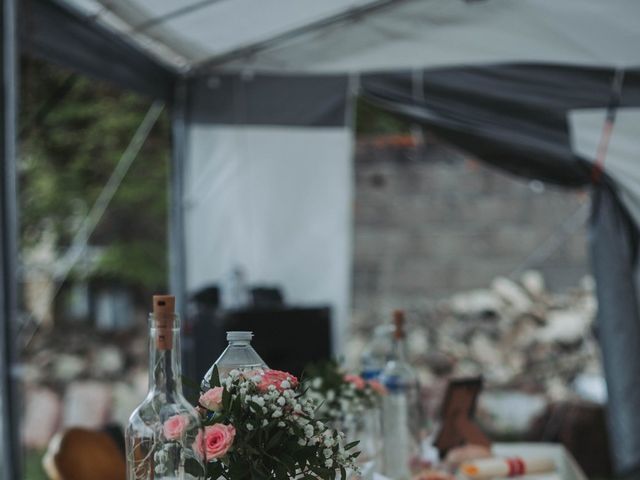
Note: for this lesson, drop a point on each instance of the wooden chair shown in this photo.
(80, 454)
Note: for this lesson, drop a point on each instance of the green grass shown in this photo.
(33, 466)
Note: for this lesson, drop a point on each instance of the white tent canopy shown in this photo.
(342, 36)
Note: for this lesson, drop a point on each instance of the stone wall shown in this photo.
(430, 222)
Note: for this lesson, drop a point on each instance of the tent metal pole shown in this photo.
(10, 454)
(177, 255)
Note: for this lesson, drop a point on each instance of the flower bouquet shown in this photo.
(350, 404)
(258, 424)
(341, 395)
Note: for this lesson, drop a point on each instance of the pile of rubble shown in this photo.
(531, 346)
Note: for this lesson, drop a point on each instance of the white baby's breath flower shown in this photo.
(327, 452)
(234, 373)
(285, 384)
(271, 388)
(249, 427)
(160, 456)
(316, 383)
(302, 442)
(308, 431)
(265, 422)
(281, 401)
(281, 424)
(328, 442)
(328, 463)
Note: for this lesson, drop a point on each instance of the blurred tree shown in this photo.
(372, 120)
(73, 130)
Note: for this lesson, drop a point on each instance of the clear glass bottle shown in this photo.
(239, 355)
(164, 438)
(401, 411)
(367, 429)
(377, 352)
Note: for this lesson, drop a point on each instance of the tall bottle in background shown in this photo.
(239, 355)
(377, 352)
(401, 412)
(164, 438)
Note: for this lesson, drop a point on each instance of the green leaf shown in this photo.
(215, 377)
(275, 439)
(343, 473)
(349, 446)
(226, 400)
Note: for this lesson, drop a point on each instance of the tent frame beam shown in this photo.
(177, 252)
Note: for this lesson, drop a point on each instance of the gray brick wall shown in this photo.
(430, 222)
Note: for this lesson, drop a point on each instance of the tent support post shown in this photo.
(11, 455)
(177, 258)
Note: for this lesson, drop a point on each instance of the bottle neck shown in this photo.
(164, 364)
(398, 351)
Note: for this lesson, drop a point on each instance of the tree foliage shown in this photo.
(73, 131)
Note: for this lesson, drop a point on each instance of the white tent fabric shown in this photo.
(190, 32)
(430, 33)
(275, 201)
(622, 151)
(370, 35)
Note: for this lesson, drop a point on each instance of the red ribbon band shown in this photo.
(516, 466)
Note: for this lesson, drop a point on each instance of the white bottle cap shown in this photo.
(239, 336)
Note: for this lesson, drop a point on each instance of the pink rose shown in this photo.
(277, 378)
(198, 445)
(175, 426)
(212, 399)
(216, 442)
(377, 387)
(356, 380)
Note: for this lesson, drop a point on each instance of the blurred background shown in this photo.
(303, 169)
(465, 249)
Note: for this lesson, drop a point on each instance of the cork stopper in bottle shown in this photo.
(164, 310)
(398, 321)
